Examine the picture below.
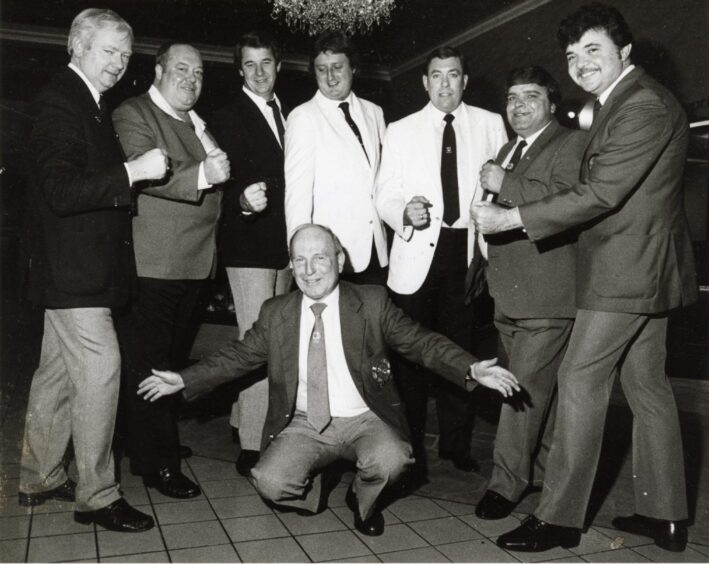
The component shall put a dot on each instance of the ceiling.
(416, 25)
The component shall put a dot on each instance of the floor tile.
(455, 508)
(271, 550)
(346, 516)
(187, 512)
(565, 560)
(8, 471)
(555, 553)
(144, 557)
(445, 530)
(14, 527)
(368, 558)
(475, 551)
(206, 469)
(114, 543)
(156, 497)
(56, 524)
(254, 528)
(13, 550)
(220, 553)
(242, 506)
(619, 555)
(137, 495)
(303, 525)
(491, 527)
(704, 549)
(416, 509)
(53, 506)
(595, 541)
(227, 488)
(624, 539)
(10, 508)
(426, 554)
(62, 547)
(395, 537)
(657, 554)
(332, 546)
(190, 535)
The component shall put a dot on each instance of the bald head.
(317, 259)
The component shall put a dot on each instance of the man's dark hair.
(335, 42)
(256, 40)
(444, 53)
(594, 16)
(534, 74)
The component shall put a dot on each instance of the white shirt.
(345, 399)
(530, 139)
(199, 128)
(462, 152)
(267, 111)
(607, 92)
(334, 107)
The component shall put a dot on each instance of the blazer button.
(287, 415)
(431, 245)
(270, 436)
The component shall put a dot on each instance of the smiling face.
(104, 58)
(180, 79)
(315, 262)
(334, 74)
(259, 69)
(594, 62)
(528, 108)
(445, 83)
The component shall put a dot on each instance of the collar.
(95, 93)
(607, 92)
(437, 115)
(334, 104)
(533, 137)
(332, 300)
(260, 102)
(159, 100)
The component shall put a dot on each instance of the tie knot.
(522, 144)
(345, 107)
(273, 105)
(448, 118)
(596, 107)
(318, 308)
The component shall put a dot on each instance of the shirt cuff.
(202, 183)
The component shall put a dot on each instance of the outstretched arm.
(487, 373)
(161, 383)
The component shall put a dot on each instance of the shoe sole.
(84, 518)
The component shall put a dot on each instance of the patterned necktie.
(345, 107)
(516, 156)
(449, 173)
(277, 117)
(318, 400)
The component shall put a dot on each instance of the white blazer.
(410, 167)
(328, 178)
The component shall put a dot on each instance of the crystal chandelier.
(349, 16)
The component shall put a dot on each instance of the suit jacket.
(176, 225)
(537, 279)
(255, 154)
(77, 249)
(371, 325)
(328, 177)
(635, 253)
(411, 167)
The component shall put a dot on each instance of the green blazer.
(371, 324)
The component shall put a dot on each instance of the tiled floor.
(230, 523)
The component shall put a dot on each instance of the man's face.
(445, 83)
(180, 80)
(594, 62)
(334, 74)
(315, 263)
(105, 59)
(259, 69)
(528, 108)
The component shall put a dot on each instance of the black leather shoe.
(534, 535)
(462, 462)
(494, 506)
(172, 484)
(373, 526)
(65, 492)
(246, 461)
(670, 535)
(119, 516)
(185, 451)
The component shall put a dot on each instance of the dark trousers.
(439, 305)
(157, 333)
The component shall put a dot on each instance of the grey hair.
(89, 21)
(339, 249)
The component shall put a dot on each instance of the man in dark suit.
(332, 395)
(532, 283)
(634, 265)
(252, 239)
(78, 264)
(175, 249)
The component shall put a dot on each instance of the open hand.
(487, 373)
(161, 383)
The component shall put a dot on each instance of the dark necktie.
(449, 173)
(516, 156)
(277, 117)
(345, 107)
(318, 401)
(596, 108)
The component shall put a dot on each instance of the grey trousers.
(535, 348)
(285, 474)
(74, 395)
(250, 287)
(600, 343)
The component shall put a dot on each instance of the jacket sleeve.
(390, 200)
(300, 155)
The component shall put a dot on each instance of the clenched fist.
(416, 212)
(151, 165)
(216, 167)
(253, 198)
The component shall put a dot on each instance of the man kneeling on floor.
(332, 395)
